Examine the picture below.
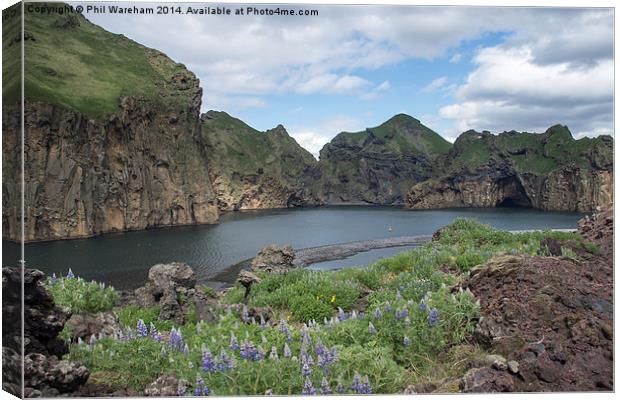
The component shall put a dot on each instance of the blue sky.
(352, 67)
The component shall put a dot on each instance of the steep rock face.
(89, 171)
(549, 171)
(379, 165)
(252, 170)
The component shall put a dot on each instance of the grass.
(85, 67)
(396, 322)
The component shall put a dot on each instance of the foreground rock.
(44, 373)
(552, 317)
(173, 287)
(275, 259)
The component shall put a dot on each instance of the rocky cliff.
(378, 165)
(549, 171)
(112, 137)
(251, 169)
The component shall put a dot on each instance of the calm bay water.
(123, 259)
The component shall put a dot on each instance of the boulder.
(168, 285)
(247, 279)
(87, 324)
(43, 320)
(275, 259)
(51, 376)
(166, 386)
(486, 380)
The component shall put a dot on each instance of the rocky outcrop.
(44, 373)
(173, 288)
(379, 165)
(549, 171)
(253, 170)
(275, 259)
(552, 317)
(88, 171)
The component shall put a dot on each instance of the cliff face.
(379, 165)
(251, 169)
(549, 171)
(89, 171)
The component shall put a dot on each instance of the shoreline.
(330, 252)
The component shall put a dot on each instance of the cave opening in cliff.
(514, 194)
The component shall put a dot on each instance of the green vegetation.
(73, 63)
(528, 152)
(401, 135)
(80, 296)
(398, 322)
(239, 154)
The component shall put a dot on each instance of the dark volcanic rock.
(44, 374)
(43, 319)
(276, 259)
(552, 315)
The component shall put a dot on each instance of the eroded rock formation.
(253, 170)
(549, 171)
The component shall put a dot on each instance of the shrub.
(81, 296)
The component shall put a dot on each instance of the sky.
(352, 67)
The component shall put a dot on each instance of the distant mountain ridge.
(115, 141)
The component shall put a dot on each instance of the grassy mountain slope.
(74, 63)
(253, 169)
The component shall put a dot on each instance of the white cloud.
(554, 65)
(436, 84)
(313, 138)
(376, 91)
(456, 58)
(508, 89)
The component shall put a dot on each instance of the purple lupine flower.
(366, 388)
(260, 354)
(141, 329)
(181, 390)
(387, 307)
(208, 362)
(371, 329)
(287, 351)
(333, 355)
(361, 386)
(377, 313)
(406, 341)
(309, 388)
(201, 389)
(325, 389)
(357, 382)
(176, 340)
(340, 388)
(433, 317)
(319, 348)
(186, 349)
(263, 324)
(234, 344)
(402, 313)
(153, 332)
(245, 315)
(273, 355)
(409, 303)
(70, 274)
(283, 327)
(306, 370)
(129, 334)
(341, 314)
(422, 305)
